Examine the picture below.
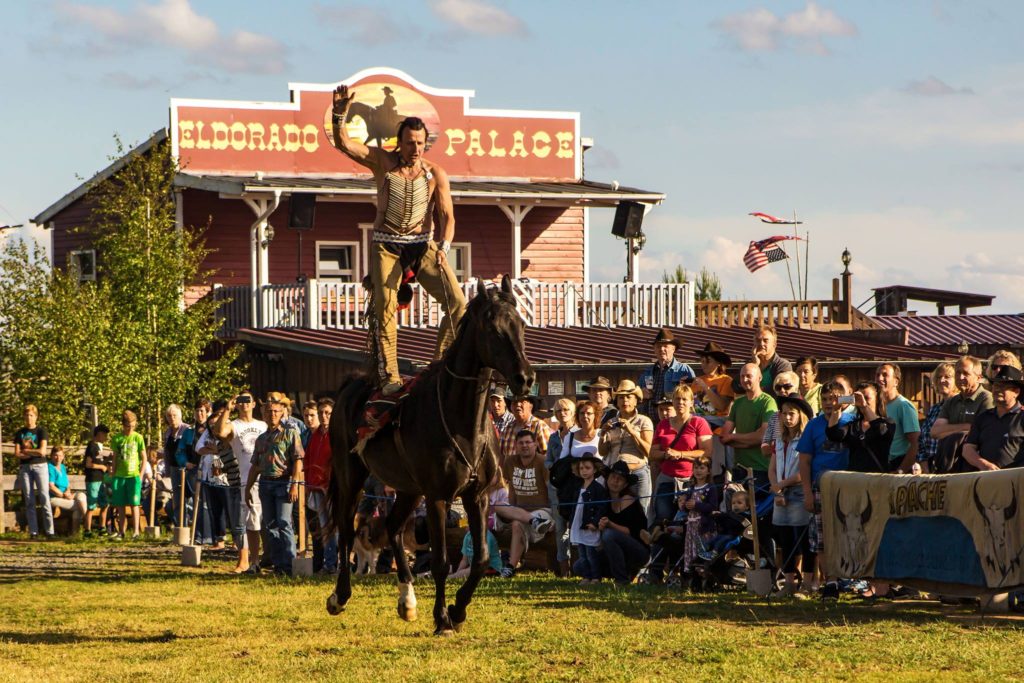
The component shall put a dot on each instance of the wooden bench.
(61, 522)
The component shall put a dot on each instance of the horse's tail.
(340, 440)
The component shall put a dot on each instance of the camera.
(846, 400)
(244, 399)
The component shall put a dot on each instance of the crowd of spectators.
(638, 479)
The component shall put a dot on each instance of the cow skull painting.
(853, 549)
(996, 553)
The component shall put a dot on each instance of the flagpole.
(796, 237)
(807, 257)
(789, 274)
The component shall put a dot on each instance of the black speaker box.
(629, 216)
(301, 211)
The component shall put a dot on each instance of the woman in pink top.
(678, 441)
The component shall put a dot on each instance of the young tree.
(707, 283)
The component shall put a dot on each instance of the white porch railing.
(342, 305)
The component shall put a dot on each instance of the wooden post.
(302, 520)
(152, 499)
(753, 517)
(181, 500)
(3, 513)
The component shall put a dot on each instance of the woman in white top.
(789, 518)
(629, 438)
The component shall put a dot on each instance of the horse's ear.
(481, 289)
(506, 284)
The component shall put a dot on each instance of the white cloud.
(761, 30)
(364, 24)
(478, 17)
(174, 24)
(933, 87)
(124, 80)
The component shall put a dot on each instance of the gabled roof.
(618, 346)
(945, 330)
(586, 191)
(83, 189)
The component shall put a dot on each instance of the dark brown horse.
(443, 447)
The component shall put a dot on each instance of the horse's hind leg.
(474, 505)
(347, 484)
(436, 514)
(396, 520)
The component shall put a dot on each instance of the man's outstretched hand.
(343, 97)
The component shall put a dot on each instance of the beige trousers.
(386, 276)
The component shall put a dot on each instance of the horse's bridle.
(444, 420)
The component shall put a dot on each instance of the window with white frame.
(461, 260)
(337, 261)
(83, 263)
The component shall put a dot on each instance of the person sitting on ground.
(729, 526)
(527, 478)
(869, 435)
(628, 437)
(748, 420)
(903, 413)
(61, 496)
(820, 454)
(129, 450)
(713, 391)
(678, 442)
(960, 410)
(790, 517)
(622, 548)
(806, 369)
(943, 382)
(662, 378)
(996, 440)
(770, 363)
(522, 410)
(97, 461)
(599, 391)
(590, 508)
(497, 495)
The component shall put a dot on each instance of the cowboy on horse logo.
(375, 118)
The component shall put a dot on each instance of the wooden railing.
(343, 305)
(750, 313)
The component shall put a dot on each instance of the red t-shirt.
(664, 436)
(318, 460)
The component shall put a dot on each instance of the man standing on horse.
(409, 190)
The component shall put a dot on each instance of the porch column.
(260, 235)
(516, 213)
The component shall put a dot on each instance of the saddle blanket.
(954, 531)
(379, 412)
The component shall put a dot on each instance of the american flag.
(760, 254)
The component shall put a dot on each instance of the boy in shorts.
(97, 462)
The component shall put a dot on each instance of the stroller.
(728, 569)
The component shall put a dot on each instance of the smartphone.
(244, 399)
(846, 400)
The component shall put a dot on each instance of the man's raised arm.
(371, 157)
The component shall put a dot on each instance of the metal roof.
(619, 346)
(941, 330)
(585, 191)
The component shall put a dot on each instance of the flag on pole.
(761, 253)
(768, 218)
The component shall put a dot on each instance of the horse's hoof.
(334, 607)
(407, 613)
(457, 617)
(444, 632)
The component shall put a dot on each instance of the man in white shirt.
(243, 431)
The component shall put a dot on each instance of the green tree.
(126, 340)
(707, 283)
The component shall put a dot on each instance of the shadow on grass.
(77, 638)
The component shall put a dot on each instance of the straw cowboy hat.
(665, 336)
(716, 352)
(627, 387)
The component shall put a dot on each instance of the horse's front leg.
(437, 512)
(396, 521)
(475, 505)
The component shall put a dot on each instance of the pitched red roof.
(602, 346)
(944, 330)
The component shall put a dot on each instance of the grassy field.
(95, 611)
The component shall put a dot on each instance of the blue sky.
(893, 128)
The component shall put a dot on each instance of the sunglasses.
(784, 387)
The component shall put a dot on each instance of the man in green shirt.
(958, 412)
(745, 427)
(129, 448)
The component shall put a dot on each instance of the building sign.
(294, 138)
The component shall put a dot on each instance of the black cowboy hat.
(594, 458)
(534, 400)
(622, 469)
(713, 350)
(664, 401)
(599, 382)
(1007, 374)
(665, 336)
(797, 400)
